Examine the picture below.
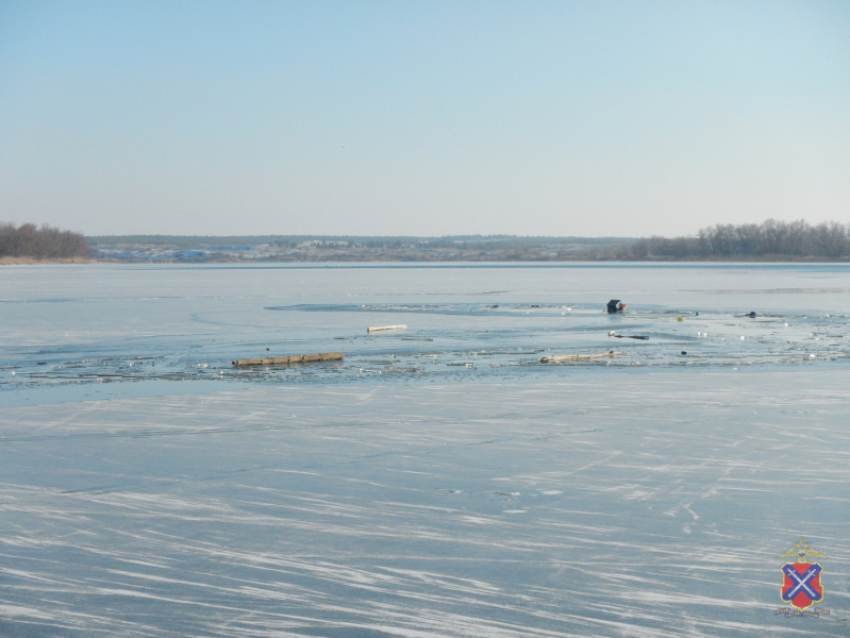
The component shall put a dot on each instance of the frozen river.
(440, 480)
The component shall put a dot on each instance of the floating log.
(582, 357)
(296, 358)
(400, 326)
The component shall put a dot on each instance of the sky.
(397, 117)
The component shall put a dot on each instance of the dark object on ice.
(684, 352)
(641, 337)
(752, 315)
(615, 306)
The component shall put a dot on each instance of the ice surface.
(646, 498)
(624, 505)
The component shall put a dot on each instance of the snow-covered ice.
(592, 500)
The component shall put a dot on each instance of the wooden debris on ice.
(582, 357)
(297, 358)
(400, 326)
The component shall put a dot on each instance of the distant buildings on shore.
(770, 241)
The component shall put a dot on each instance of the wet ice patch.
(510, 347)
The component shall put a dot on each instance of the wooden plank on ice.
(399, 326)
(296, 358)
(582, 357)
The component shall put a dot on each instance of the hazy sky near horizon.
(423, 118)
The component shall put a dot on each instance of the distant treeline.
(777, 240)
(28, 240)
(480, 242)
(829, 240)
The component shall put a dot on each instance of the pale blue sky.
(423, 118)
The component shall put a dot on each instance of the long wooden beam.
(296, 358)
(582, 357)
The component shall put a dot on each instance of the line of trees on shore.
(45, 242)
(772, 238)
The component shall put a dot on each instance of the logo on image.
(802, 586)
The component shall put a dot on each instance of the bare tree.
(27, 240)
(829, 240)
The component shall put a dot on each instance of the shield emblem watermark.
(801, 585)
(801, 580)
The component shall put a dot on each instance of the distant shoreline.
(777, 259)
(771, 241)
(32, 261)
